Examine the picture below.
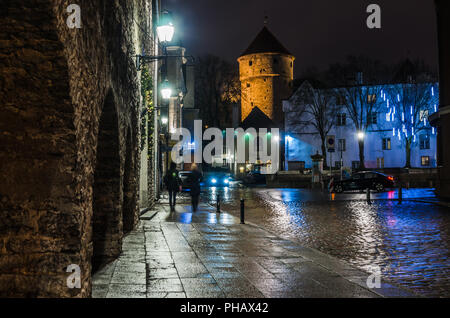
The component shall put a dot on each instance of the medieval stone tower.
(266, 73)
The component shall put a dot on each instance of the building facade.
(396, 118)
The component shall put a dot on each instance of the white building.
(395, 117)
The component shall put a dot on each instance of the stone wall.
(266, 79)
(69, 160)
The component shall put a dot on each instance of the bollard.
(242, 211)
(218, 203)
(400, 194)
(368, 196)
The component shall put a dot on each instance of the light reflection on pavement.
(409, 241)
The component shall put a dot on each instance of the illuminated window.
(372, 98)
(386, 143)
(425, 161)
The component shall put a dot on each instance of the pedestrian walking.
(173, 184)
(194, 180)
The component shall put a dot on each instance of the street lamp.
(165, 29)
(164, 121)
(166, 90)
(360, 135)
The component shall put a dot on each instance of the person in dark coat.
(194, 181)
(173, 184)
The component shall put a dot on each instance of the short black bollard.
(400, 194)
(242, 211)
(368, 196)
(218, 203)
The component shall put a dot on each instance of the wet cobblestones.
(410, 242)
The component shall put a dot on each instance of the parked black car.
(363, 180)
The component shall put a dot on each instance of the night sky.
(317, 32)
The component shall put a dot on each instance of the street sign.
(331, 143)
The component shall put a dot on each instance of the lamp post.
(164, 122)
(165, 31)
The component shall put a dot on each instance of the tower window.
(250, 63)
(292, 64)
(248, 84)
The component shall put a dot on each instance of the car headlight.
(214, 180)
(226, 181)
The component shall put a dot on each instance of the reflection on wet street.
(409, 241)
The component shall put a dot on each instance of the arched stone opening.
(107, 217)
(129, 189)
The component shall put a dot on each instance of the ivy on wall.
(147, 116)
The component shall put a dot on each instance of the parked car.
(363, 180)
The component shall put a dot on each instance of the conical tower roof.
(266, 42)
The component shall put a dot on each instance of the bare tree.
(217, 85)
(359, 82)
(314, 108)
(411, 100)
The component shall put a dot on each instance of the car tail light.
(391, 178)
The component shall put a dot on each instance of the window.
(370, 176)
(301, 165)
(380, 163)
(342, 119)
(250, 63)
(292, 64)
(224, 163)
(423, 115)
(425, 161)
(372, 98)
(342, 145)
(424, 141)
(248, 84)
(355, 164)
(373, 119)
(275, 61)
(386, 143)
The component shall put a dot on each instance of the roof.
(257, 119)
(266, 42)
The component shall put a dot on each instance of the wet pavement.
(205, 254)
(410, 242)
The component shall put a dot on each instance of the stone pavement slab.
(208, 255)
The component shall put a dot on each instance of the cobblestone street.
(408, 241)
(211, 255)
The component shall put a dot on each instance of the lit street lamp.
(165, 29)
(360, 135)
(166, 90)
